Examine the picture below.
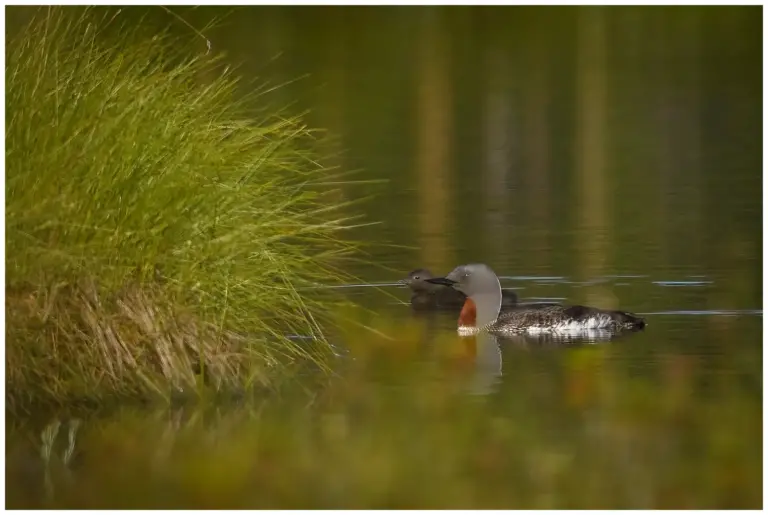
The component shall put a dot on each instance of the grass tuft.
(157, 223)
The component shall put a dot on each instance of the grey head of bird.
(478, 282)
(417, 280)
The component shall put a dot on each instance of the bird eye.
(416, 277)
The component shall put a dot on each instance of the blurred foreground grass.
(395, 428)
(158, 226)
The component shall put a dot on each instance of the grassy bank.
(158, 225)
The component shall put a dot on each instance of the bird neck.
(487, 306)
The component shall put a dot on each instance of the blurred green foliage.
(583, 427)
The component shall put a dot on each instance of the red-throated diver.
(481, 309)
(428, 295)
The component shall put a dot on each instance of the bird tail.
(628, 320)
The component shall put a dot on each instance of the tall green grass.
(158, 224)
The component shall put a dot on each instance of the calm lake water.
(610, 157)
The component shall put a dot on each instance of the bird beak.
(441, 280)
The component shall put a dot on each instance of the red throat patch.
(468, 316)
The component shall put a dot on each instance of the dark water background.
(606, 156)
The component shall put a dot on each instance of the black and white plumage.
(482, 310)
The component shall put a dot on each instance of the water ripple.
(717, 312)
(682, 283)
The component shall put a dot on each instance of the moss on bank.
(156, 223)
